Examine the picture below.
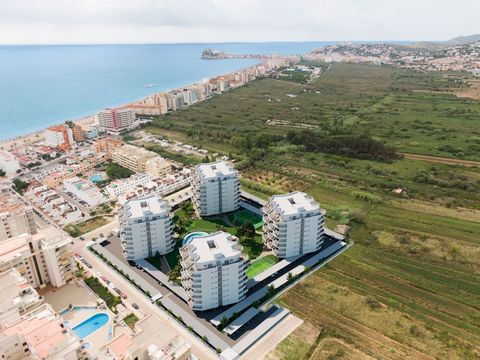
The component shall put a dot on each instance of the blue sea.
(45, 85)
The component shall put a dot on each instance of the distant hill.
(462, 40)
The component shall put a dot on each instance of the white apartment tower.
(293, 224)
(213, 271)
(146, 228)
(216, 188)
(116, 119)
(16, 218)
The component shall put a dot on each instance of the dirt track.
(441, 160)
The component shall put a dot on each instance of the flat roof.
(214, 169)
(217, 245)
(147, 205)
(293, 203)
(242, 320)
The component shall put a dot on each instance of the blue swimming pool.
(193, 235)
(92, 324)
(96, 178)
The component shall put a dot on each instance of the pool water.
(193, 235)
(96, 178)
(92, 324)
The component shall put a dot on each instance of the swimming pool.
(189, 237)
(96, 177)
(92, 324)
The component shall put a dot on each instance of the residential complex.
(213, 271)
(43, 258)
(158, 166)
(116, 119)
(216, 188)
(84, 191)
(133, 157)
(18, 297)
(16, 218)
(146, 228)
(293, 224)
(40, 334)
(60, 137)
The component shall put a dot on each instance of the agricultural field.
(410, 286)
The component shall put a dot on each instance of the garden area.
(103, 293)
(130, 320)
(86, 226)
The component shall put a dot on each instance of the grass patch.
(130, 320)
(239, 217)
(103, 293)
(86, 226)
(258, 266)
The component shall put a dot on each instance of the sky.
(174, 21)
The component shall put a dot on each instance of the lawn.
(258, 266)
(86, 226)
(130, 320)
(103, 293)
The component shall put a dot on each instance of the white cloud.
(164, 21)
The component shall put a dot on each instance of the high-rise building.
(60, 137)
(293, 224)
(43, 258)
(216, 188)
(16, 218)
(213, 271)
(116, 119)
(146, 228)
(78, 134)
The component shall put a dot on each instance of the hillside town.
(462, 57)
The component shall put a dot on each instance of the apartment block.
(146, 228)
(213, 271)
(16, 218)
(158, 166)
(60, 137)
(116, 119)
(43, 258)
(18, 297)
(133, 157)
(216, 188)
(86, 192)
(293, 224)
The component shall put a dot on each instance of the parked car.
(82, 238)
(117, 290)
(135, 306)
(123, 295)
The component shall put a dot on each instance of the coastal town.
(103, 239)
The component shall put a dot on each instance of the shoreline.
(37, 136)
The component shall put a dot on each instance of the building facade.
(216, 188)
(158, 167)
(293, 224)
(83, 190)
(16, 218)
(213, 271)
(146, 228)
(133, 157)
(60, 137)
(43, 258)
(116, 119)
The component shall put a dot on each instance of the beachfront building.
(158, 166)
(9, 163)
(216, 188)
(43, 258)
(146, 228)
(116, 119)
(16, 218)
(40, 334)
(293, 224)
(213, 271)
(18, 297)
(84, 191)
(133, 157)
(60, 137)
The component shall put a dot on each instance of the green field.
(260, 265)
(409, 286)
